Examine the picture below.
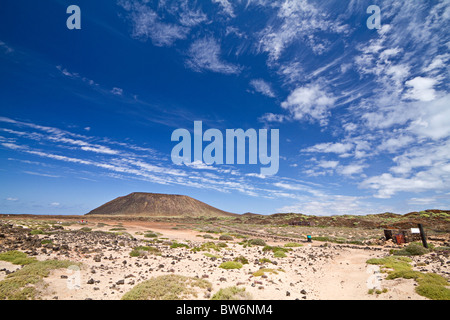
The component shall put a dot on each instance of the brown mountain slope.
(157, 204)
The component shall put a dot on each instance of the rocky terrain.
(107, 259)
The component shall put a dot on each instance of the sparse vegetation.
(413, 249)
(209, 246)
(263, 271)
(292, 245)
(20, 285)
(278, 252)
(265, 260)
(253, 242)
(241, 259)
(179, 245)
(231, 265)
(16, 257)
(150, 234)
(210, 255)
(225, 237)
(167, 287)
(430, 285)
(141, 251)
(232, 293)
(118, 229)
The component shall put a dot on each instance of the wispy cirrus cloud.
(146, 24)
(263, 87)
(298, 21)
(205, 55)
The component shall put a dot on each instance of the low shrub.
(20, 285)
(430, 285)
(179, 245)
(293, 245)
(209, 246)
(167, 287)
(256, 242)
(150, 235)
(16, 257)
(241, 259)
(265, 260)
(231, 265)
(141, 251)
(413, 249)
(262, 271)
(232, 293)
(225, 237)
(210, 255)
(279, 254)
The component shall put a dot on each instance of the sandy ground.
(311, 272)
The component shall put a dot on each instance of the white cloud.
(394, 144)
(205, 54)
(310, 102)
(328, 164)
(438, 62)
(297, 20)
(387, 185)
(263, 87)
(99, 149)
(351, 169)
(7, 49)
(328, 205)
(12, 199)
(431, 119)
(117, 91)
(226, 7)
(42, 174)
(330, 147)
(271, 117)
(148, 25)
(421, 89)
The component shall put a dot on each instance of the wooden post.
(423, 236)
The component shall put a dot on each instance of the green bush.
(225, 237)
(241, 259)
(150, 235)
(257, 242)
(433, 291)
(262, 271)
(16, 257)
(167, 287)
(209, 246)
(279, 254)
(20, 285)
(179, 245)
(232, 293)
(430, 285)
(413, 249)
(293, 245)
(210, 255)
(143, 250)
(321, 238)
(231, 265)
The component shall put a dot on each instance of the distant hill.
(158, 204)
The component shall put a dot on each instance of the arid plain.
(238, 257)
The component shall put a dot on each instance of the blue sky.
(363, 114)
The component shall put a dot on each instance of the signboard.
(415, 230)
